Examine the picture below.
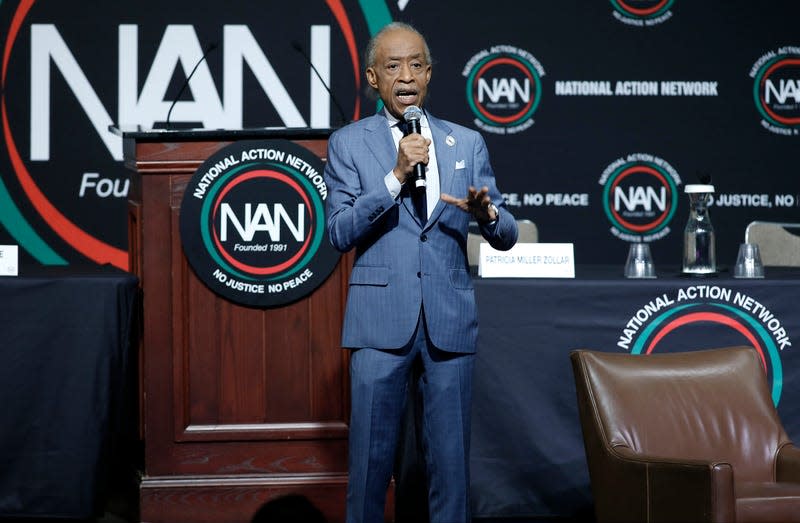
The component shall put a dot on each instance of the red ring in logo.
(525, 71)
(249, 268)
(773, 67)
(642, 11)
(627, 172)
(711, 317)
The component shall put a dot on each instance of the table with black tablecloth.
(527, 454)
(64, 356)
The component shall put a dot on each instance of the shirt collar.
(392, 121)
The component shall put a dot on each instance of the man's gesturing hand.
(477, 203)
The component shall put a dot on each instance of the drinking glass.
(748, 262)
(640, 262)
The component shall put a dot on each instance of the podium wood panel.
(238, 404)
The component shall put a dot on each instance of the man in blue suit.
(411, 300)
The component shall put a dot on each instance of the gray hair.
(372, 46)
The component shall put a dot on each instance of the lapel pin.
(450, 140)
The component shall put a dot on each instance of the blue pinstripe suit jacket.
(401, 263)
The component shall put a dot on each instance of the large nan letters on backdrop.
(179, 47)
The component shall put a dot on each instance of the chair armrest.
(681, 491)
(787, 464)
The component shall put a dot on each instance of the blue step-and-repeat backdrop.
(597, 113)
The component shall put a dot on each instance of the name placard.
(9, 260)
(527, 260)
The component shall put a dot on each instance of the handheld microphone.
(210, 48)
(413, 115)
(299, 48)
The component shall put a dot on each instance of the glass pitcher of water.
(699, 249)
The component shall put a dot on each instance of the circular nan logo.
(642, 12)
(504, 88)
(640, 195)
(66, 204)
(253, 223)
(776, 90)
(722, 317)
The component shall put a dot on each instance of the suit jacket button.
(423, 238)
(419, 275)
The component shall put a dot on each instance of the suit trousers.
(379, 391)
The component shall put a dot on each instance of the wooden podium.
(238, 405)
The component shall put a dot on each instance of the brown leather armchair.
(685, 437)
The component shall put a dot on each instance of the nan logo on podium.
(252, 223)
